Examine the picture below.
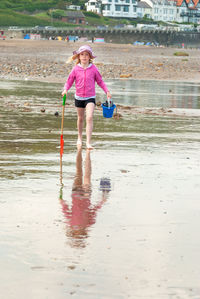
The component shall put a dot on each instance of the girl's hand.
(64, 92)
(108, 95)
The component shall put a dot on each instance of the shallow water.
(150, 93)
(141, 93)
(120, 221)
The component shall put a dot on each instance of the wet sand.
(45, 60)
(118, 222)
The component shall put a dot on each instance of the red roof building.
(189, 10)
(190, 3)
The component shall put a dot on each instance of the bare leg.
(80, 122)
(88, 169)
(89, 123)
(79, 173)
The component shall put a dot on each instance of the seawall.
(163, 37)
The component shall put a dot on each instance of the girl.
(85, 74)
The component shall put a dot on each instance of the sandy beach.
(119, 221)
(45, 60)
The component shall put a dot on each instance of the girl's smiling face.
(84, 58)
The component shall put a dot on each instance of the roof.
(143, 4)
(74, 14)
(195, 2)
(165, 2)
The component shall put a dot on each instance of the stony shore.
(46, 61)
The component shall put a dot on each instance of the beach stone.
(31, 61)
(98, 103)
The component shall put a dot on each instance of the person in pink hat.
(85, 74)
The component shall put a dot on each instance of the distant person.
(85, 74)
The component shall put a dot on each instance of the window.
(106, 7)
(126, 8)
(117, 7)
(116, 1)
(127, 1)
(134, 1)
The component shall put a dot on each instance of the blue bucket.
(108, 111)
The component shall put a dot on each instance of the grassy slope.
(28, 13)
(21, 12)
(11, 18)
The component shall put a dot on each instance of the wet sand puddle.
(118, 222)
(151, 93)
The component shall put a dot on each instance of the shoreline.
(37, 60)
(60, 81)
(123, 111)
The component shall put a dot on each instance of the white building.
(119, 8)
(144, 9)
(73, 7)
(175, 10)
(182, 12)
(163, 10)
(94, 6)
(188, 11)
(158, 10)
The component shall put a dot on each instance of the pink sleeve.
(70, 80)
(100, 81)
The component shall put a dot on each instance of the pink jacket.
(85, 81)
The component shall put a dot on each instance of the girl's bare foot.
(89, 146)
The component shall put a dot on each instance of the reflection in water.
(81, 214)
(141, 93)
(105, 187)
(154, 93)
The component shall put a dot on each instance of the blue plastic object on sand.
(108, 111)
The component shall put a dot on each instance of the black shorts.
(83, 103)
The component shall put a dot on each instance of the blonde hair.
(77, 57)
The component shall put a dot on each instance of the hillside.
(35, 5)
(29, 13)
(32, 12)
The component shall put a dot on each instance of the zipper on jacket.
(84, 81)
